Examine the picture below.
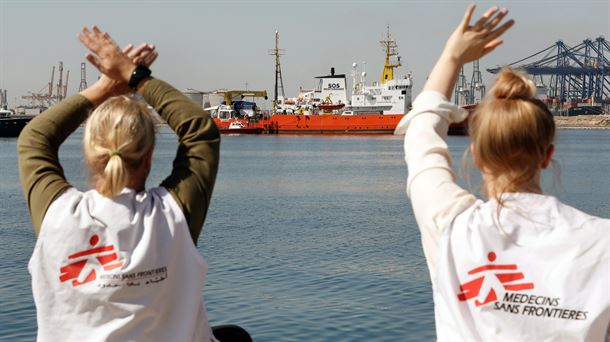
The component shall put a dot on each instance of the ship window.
(387, 98)
(401, 97)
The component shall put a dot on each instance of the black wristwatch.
(139, 73)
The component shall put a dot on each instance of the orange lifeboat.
(331, 106)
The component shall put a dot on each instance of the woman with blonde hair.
(523, 265)
(119, 262)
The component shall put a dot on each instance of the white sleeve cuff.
(432, 102)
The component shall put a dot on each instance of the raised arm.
(194, 170)
(196, 163)
(42, 177)
(435, 196)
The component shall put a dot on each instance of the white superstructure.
(393, 97)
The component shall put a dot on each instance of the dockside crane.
(462, 91)
(3, 99)
(477, 87)
(59, 89)
(54, 93)
(574, 74)
(83, 77)
(65, 87)
(50, 92)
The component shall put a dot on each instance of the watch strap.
(139, 73)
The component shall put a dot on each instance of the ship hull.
(325, 124)
(249, 130)
(343, 124)
(10, 127)
(333, 124)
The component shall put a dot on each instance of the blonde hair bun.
(511, 133)
(512, 84)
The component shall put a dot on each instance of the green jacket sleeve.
(42, 177)
(194, 169)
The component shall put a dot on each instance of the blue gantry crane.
(579, 74)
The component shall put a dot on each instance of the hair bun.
(511, 84)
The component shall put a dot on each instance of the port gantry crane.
(83, 77)
(48, 99)
(466, 94)
(579, 73)
(462, 90)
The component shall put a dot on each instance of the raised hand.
(145, 54)
(106, 55)
(466, 44)
(116, 65)
(470, 42)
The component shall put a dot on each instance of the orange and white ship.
(326, 108)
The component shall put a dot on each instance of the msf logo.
(491, 278)
(82, 270)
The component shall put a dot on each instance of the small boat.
(241, 127)
(331, 106)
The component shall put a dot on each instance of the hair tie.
(114, 153)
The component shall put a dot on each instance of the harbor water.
(308, 238)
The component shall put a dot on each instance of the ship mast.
(279, 83)
(389, 45)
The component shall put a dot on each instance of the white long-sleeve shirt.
(537, 269)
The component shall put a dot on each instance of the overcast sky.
(225, 44)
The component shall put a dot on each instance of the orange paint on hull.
(326, 124)
(318, 124)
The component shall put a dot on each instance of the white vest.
(541, 274)
(122, 269)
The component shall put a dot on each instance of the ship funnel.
(332, 71)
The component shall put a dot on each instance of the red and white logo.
(83, 269)
(491, 278)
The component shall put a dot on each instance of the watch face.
(139, 73)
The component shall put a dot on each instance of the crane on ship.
(231, 95)
(573, 74)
